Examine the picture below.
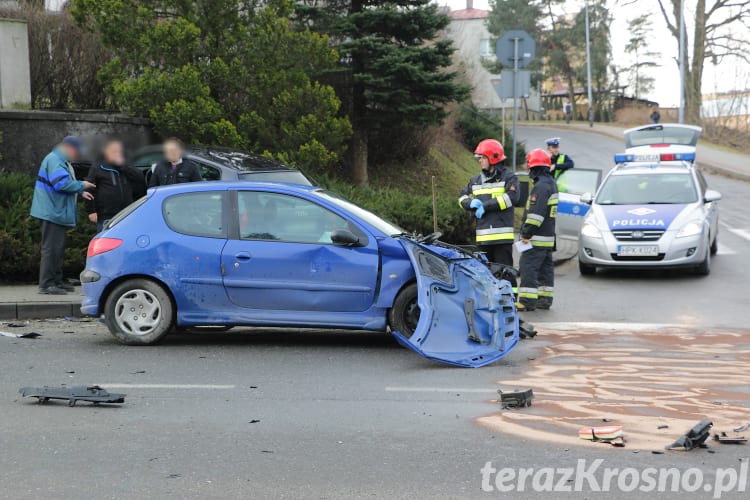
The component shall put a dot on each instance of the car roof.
(235, 159)
(640, 168)
(203, 186)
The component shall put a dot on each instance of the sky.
(666, 89)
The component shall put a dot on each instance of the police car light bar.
(627, 158)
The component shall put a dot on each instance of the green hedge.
(411, 212)
(19, 233)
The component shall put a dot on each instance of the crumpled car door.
(467, 317)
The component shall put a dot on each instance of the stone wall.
(27, 136)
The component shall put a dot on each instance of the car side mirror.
(587, 198)
(711, 196)
(344, 237)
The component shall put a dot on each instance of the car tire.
(715, 245)
(585, 269)
(139, 312)
(704, 268)
(404, 315)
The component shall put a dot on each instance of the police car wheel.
(404, 315)
(704, 269)
(139, 312)
(715, 245)
(586, 269)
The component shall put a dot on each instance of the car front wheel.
(139, 312)
(404, 315)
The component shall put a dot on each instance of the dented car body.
(226, 254)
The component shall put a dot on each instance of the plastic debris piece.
(694, 438)
(663, 426)
(724, 439)
(27, 335)
(92, 393)
(526, 330)
(742, 428)
(603, 433)
(516, 398)
(17, 324)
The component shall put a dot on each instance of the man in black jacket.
(537, 267)
(117, 184)
(174, 169)
(491, 195)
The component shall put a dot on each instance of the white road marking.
(439, 389)
(724, 250)
(742, 233)
(164, 386)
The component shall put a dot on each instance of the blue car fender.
(467, 317)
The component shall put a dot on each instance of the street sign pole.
(515, 98)
(681, 114)
(588, 68)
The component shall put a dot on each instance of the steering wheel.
(430, 238)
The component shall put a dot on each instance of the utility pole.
(515, 97)
(681, 114)
(588, 67)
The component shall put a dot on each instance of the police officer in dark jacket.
(492, 195)
(537, 267)
(560, 162)
(117, 184)
(174, 169)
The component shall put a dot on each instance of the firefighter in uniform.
(560, 162)
(537, 267)
(491, 195)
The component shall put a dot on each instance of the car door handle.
(242, 256)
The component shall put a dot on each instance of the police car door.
(571, 184)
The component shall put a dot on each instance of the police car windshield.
(652, 188)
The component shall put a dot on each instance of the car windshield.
(662, 134)
(286, 176)
(370, 218)
(643, 189)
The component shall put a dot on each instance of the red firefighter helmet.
(492, 149)
(538, 158)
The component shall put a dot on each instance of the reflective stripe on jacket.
(498, 194)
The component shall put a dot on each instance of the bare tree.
(715, 37)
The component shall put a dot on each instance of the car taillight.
(102, 245)
(667, 157)
(660, 145)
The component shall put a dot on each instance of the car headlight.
(590, 230)
(690, 229)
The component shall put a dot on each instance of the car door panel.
(264, 268)
(571, 184)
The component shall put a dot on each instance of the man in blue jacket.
(54, 204)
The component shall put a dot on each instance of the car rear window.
(662, 134)
(285, 176)
(125, 212)
(196, 214)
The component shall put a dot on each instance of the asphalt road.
(284, 414)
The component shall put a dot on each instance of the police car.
(653, 210)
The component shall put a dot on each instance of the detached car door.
(571, 184)
(283, 258)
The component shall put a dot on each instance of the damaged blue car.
(263, 254)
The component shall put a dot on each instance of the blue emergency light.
(627, 158)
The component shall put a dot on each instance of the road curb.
(38, 310)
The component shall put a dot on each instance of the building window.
(485, 48)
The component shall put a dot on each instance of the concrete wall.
(15, 79)
(27, 136)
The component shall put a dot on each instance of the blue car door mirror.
(344, 237)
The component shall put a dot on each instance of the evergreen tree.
(226, 72)
(393, 64)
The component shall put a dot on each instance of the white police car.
(651, 211)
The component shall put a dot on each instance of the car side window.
(148, 160)
(280, 217)
(209, 173)
(196, 214)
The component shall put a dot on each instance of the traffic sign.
(504, 84)
(505, 49)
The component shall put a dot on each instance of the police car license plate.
(638, 251)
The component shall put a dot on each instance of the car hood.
(624, 217)
(467, 317)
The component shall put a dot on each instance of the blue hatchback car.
(265, 254)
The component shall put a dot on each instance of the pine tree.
(392, 65)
